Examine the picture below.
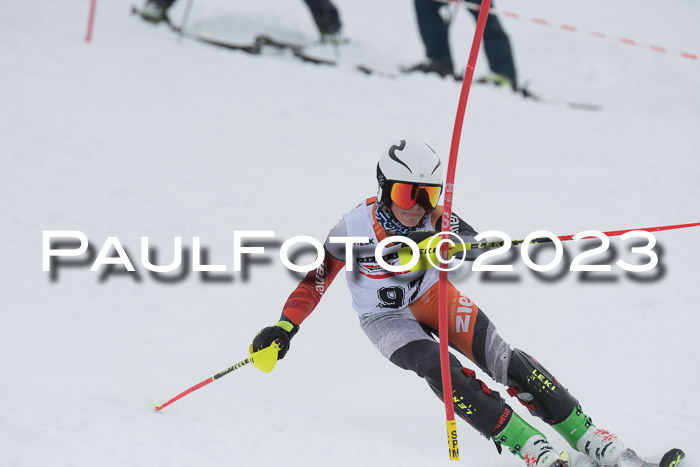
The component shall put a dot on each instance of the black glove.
(283, 332)
(420, 235)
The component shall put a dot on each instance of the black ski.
(256, 47)
(297, 50)
(525, 93)
(672, 458)
(262, 41)
(252, 48)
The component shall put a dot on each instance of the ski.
(296, 49)
(262, 41)
(254, 48)
(525, 93)
(672, 458)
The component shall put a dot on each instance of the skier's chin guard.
(538, 390)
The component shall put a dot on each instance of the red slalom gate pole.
(443, 329)
(615, 233)
(91, 20)
(564, 238)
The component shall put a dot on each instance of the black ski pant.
(474, 401)
(325, 15)
(433, 31)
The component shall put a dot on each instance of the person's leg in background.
(325, 16)
(498, 50)
(433, 31)
(156, 11)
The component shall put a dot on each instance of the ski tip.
(672, 458)
(156, 408)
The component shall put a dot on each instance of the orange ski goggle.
(405, 195)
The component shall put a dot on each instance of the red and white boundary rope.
(569, 28)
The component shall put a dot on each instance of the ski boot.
(603, 447)
(334, 38)
(529, 444)
(441, 68)
(539, 453)
(154, 12)
(498, 80)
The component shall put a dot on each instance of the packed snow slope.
(137, 134)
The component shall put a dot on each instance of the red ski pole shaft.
(443, 327)
(204, 383)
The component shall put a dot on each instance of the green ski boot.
(529, 444)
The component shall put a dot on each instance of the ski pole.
(185, 18)
(264, 360)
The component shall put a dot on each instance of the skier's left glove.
(420, 235)
(283, 332)
(425, 237)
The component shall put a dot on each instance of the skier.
(398, 311)
(433, 31)
(325, 16)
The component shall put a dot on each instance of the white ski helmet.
(408, 162)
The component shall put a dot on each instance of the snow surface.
(137, 134)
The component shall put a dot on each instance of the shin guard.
(474, 402)
(538, 390)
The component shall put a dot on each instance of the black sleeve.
(457, 225)
(466, 232)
